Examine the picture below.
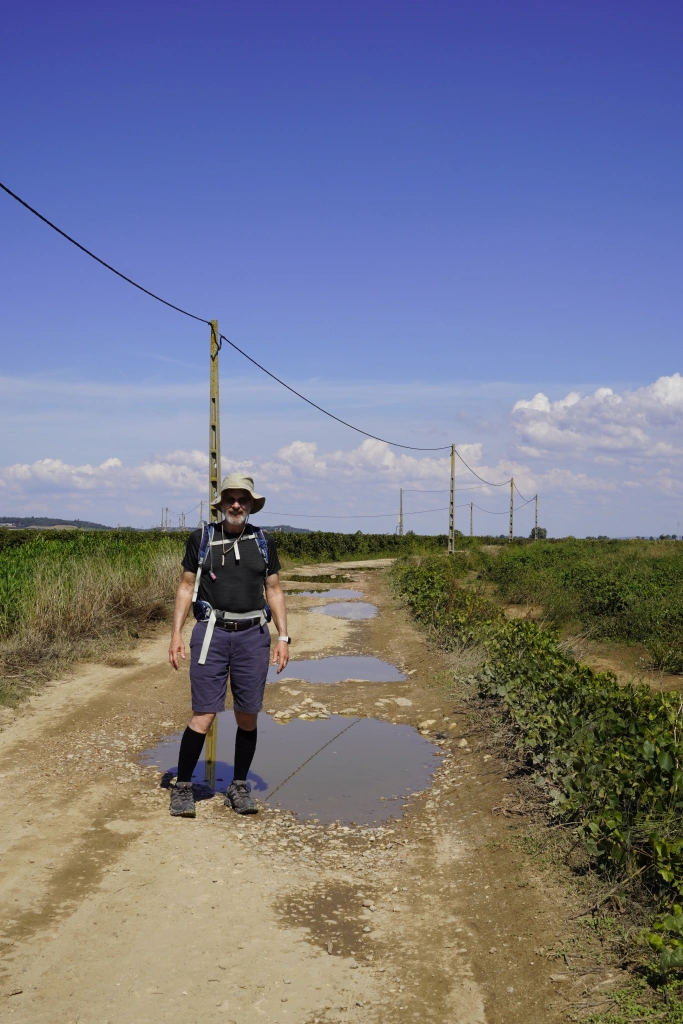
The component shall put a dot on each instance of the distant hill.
(286, 529)
(46, 523)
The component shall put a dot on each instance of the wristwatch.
(285, 639)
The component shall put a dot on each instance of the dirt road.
(113, 912)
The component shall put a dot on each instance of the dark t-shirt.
(238, 586)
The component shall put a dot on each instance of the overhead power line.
(104, 264)
(382, 515)
(203, 320)
(525, 500)
(394, 444)
(490, 513)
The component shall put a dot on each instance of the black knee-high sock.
(245, 746)
(190, 750)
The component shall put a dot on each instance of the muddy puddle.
(358, 770)
(352, 610)
(337, 593)
(342, 669)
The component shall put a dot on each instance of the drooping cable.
(522, 496)
(93, 256)
(506, 512)
(394, 444)
(381, 515)
(222, 337)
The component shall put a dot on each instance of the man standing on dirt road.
(227, 567)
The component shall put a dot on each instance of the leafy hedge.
(331, 547)
(609, 757)
(628, 591)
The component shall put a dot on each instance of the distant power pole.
(162, 519)
(471, 519)
(214, 427)
(536, 521)
(201, 513)
(451, 512)
(512, 506)
(400, 513)
(182, 520)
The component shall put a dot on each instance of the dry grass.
(80, 609)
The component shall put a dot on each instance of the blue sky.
(419, 214)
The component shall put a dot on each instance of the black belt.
(233, 626)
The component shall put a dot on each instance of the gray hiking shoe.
(239, 798)
(182, 800)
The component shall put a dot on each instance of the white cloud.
(605, 422)
(608, 449)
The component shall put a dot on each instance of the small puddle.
(345, 668)
(340, 595)
(353, 610)
(336, 769)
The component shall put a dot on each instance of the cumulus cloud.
(606, 423)
(611, 448)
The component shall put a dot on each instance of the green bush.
(610, 758)
(627, 591)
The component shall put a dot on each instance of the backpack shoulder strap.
(262, 544)
(205, 542)
(204, 546)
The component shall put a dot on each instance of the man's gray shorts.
(244, 653)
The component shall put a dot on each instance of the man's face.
(236, 506)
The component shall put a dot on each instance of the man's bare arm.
(275, 596)
(183, 603)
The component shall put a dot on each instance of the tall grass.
(65, 596)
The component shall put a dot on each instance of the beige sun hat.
(238, 482)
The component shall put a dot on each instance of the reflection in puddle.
(353, 610)
(338, 594)
(335, 769)
(353, 668)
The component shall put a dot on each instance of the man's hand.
(281, 655)
(176, 649)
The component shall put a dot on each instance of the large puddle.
(339, 594)
(342, 669)
(352, 610)
(336, 769)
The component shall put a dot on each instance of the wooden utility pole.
(215, 515)
(512, 506)
(214, 428)
(400, 514)
(536, 521)
(471, 519)
(211, 753)
(451, 512)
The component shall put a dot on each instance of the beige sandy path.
(113, 912)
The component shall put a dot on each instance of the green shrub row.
(609, 757)
(627, 591)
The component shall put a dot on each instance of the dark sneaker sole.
(237, 810)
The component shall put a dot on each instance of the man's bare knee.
(246, 721)
(201, 723)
